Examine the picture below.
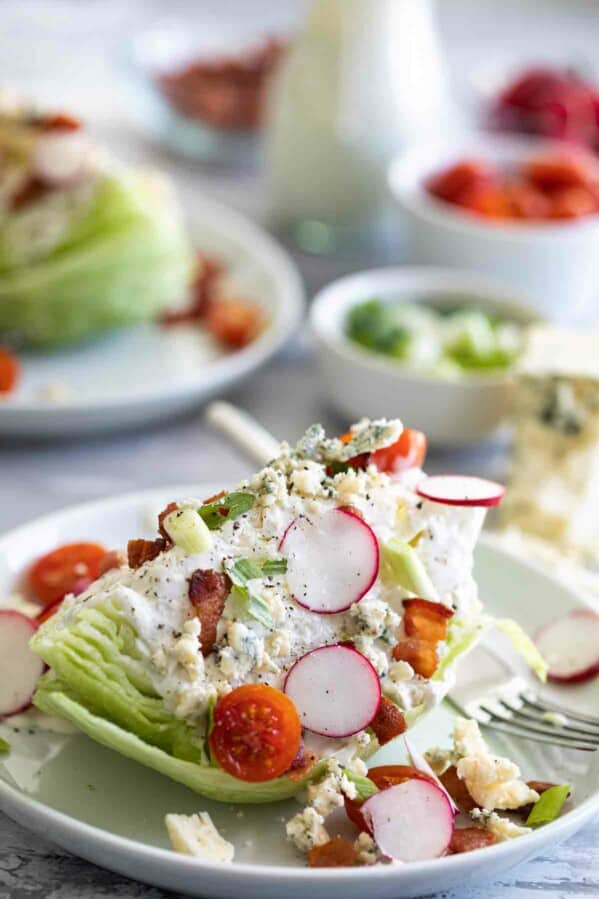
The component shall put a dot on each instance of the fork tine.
(502, 727)
(539, 719)
(549, 730)
(543, 706)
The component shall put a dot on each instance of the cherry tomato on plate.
(10, 371)
(256, 734)
(69, 569)
(382, 776)
(407, 452)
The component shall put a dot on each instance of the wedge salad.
(270, 639)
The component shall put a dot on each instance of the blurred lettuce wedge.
(101, 256)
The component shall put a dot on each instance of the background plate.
(146, 373)
(110, 810)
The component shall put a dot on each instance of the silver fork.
(488, 690)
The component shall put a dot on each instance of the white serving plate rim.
(65, 830)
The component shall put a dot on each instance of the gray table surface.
(35, 479)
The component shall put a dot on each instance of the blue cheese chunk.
(196, 835)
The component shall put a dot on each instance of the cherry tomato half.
(69, 569)
(383, 776)
(407, 452)
(9, 371)
(256, 734)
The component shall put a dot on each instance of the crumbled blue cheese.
(367, 852)
(306, 830)
(493, 782)
(502, 828)
(196, 835)
(377, 656)
(376, 618)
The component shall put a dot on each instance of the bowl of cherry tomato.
(522, 211)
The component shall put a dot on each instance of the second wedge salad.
(313, 613)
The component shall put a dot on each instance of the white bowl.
(554, 264)
(359, 382)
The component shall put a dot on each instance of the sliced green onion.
(226, 509)
(274, 566)
(548, 806)
(364, 786)
(245, 570)
(4, 746)
(187, 530)
(251, 604)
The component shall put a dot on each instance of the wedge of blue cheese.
(554, 484)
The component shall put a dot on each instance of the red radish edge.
(419, 762)
(411, 821)
(324, 694)
(14, 652)
(572, 657)
(320, 576)
(496, 491)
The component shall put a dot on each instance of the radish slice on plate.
(411, 821)
(332, 560)
(20, 668)
(335, 690)
(419, 762)
(570, 646)
(461, 490)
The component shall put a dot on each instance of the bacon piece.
(337, 853)
(388, 722)
(60, 121)
(426, 620)
(420, 654)
(31, 190)
(465, 839)
(114, 558)
(208, 591)
(140, 551)
(172, 507)
(203, 293)
(458, 790)
(302, 764)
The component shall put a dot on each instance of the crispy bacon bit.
(420, 654)
(172, 507)
(203, 293)
(465, 839)
(235, 323)
(215, 498)
(60, 121)
(426, 620)
(140, 551)
(302, 764)
(458, 790)
(113, 559)
(388, 722)
(337, 853)
(208, 591)
(31, 190)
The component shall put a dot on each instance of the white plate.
(110, 810)
(149, 372)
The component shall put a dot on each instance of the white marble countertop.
(35, 479)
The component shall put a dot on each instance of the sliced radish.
(461, 490)
(20, 668)
(570, 646)
(411, 821)
(60, 157)
(419, 762)
(335, 690)
(332, 560)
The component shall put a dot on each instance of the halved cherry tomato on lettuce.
(256, 734)
(69, 569)
(464, 175)
(382, 776)
(48, 612)
(10, 371)
(407, 452)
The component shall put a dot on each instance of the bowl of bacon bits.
(202, 88)
(521, 210)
